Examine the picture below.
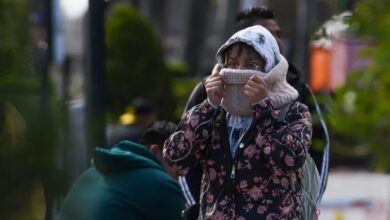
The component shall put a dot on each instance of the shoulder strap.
(325, 159)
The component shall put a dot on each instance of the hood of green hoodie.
(126, 155)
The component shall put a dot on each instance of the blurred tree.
(28, 129)
(182, 85)
(135, 65)
(361, 118)
(14, 36)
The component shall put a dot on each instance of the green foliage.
(19, 84)
(177, 69)
(181, 85)
(14, 36)
(361, 117)
(29, 127)
(182, 88)
(135, 62)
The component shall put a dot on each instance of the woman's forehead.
(240, 49)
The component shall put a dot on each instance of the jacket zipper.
(226, 146)
(233, 173)
(233, 158)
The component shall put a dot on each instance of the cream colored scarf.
(279, 91)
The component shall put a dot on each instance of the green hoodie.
(125, 182)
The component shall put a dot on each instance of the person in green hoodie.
(128, 181)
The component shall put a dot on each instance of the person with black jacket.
(262, 16)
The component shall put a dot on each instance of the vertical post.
(302, 36)
(96, 76)
(196, 33)
(232, 10)
(42, 50)
(43, 56)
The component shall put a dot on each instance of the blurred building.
(192, 30)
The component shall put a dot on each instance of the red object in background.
(320, 69)
(329, 67)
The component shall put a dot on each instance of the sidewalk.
(356, 196)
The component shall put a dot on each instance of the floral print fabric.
(262, 180)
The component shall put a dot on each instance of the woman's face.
(242, 56)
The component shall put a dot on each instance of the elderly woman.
(250, 134)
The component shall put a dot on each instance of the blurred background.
(73, 72)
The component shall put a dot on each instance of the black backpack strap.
(283, 112)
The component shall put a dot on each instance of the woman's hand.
(214, 88)
(255, 89)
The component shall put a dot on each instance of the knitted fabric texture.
(279, 91)
(260, 39)
(235, 101)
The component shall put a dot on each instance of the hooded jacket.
(261, 179)
(191, 182)
(125, 182)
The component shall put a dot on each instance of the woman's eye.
(252, 66)
(232, 65)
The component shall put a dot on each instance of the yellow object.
(339, 215)
(129, 117)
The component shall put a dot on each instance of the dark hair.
(247, 17)
(157, 133)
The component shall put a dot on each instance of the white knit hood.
(260, 39)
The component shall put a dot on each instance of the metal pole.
(232, 9)
(196, 33)
(304, 8)
(96, 76)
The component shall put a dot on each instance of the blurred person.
(265, 17)
(132, 123)
(251, 159)
(128, 181)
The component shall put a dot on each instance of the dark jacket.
(262, 180)
(306, 96)
(125, 182)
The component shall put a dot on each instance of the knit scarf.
(279, 91)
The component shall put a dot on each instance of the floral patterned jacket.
(262, 181)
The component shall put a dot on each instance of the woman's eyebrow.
(232, 58)
(253, 59)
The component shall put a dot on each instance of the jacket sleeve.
(185, 146)
(284, 143)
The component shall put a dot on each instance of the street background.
(71, 68)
